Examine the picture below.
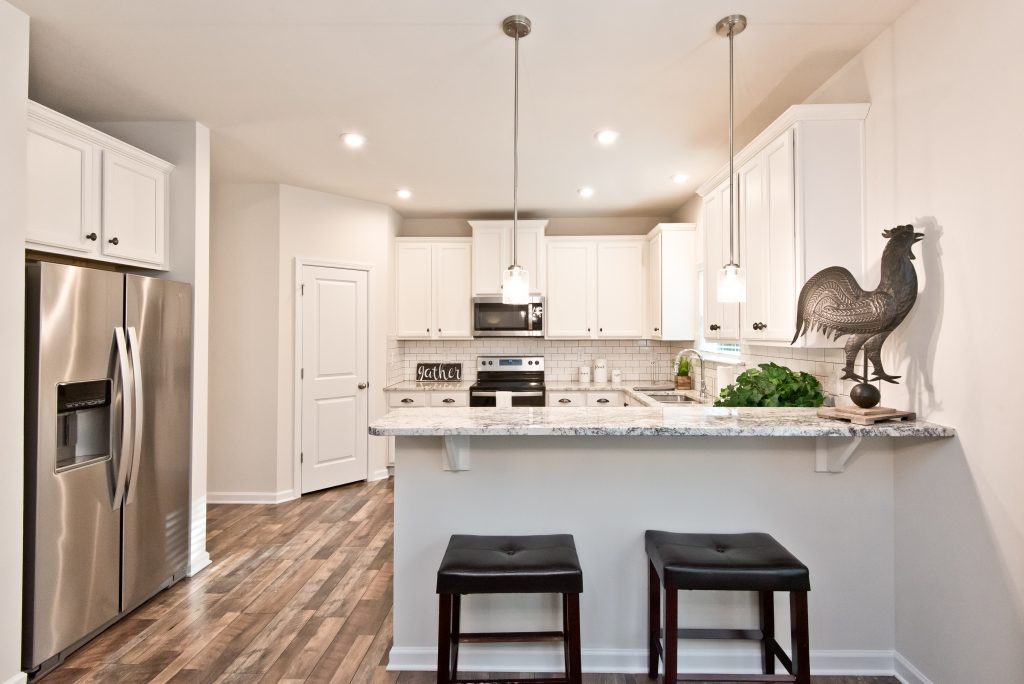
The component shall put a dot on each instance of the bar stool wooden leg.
(671, 642)
(574, 670)
(456, 614)
(653, 619)
(801, 640)
(444, 631)
(566, 651)
(767, 631)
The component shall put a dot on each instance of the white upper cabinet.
(620, 288)
(672, 282)
(61, 213)
(493, 253)
(93, 196)
(596, 287)
(432, 288)
(571, 306)
(801, 209)
(721, 321)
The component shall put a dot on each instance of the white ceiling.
(430, 85)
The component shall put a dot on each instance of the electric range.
(521, 376)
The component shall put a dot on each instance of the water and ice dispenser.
(83, 422)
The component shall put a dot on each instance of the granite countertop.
(640, 422)
(413, 386)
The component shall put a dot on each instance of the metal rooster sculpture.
(833, 303)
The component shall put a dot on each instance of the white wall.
(331, 228)
(13, 121)
(243, 339)
(258, 233)
(186, 144)
(944, 150)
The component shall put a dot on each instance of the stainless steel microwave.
(492, 318)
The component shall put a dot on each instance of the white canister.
(600, 370)
(616, 376)
(584, 373)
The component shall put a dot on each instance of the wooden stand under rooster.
(833, 303)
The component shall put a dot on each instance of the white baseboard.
(907, 673)
(381, 474)
(631, 661)
(19, 678)
(251, 497)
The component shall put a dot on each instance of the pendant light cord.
(515, 163)
(732, 155)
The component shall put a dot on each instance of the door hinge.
(302, 374)
(302, 289)
(302, 457)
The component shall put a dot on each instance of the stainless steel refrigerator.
(107, 447)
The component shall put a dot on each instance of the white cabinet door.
(413, 288)
(451, 266)
(571, 282)
(492, 245)
(780, 250)
(654, 287)
(676, 267)
(134, 215)
(620, 288)
(754, 244)
(721, 321)
(62, 204)
(567, 399)
(532, 255)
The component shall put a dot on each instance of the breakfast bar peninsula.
(822, 488)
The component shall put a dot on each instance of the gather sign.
(438, 372)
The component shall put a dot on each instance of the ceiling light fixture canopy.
(732, 279)
(515, 281)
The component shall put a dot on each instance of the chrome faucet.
(703, 382)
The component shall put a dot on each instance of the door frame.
(298, 264)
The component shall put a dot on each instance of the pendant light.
(515, 282)
(732, 280)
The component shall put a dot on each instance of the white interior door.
(334, 376)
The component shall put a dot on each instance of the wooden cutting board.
(870, 416)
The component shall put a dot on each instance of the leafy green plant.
(684, 366)
(772, 385)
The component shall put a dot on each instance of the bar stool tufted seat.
(679, 561)
(536, 564)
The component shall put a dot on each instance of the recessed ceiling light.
(353, 140)
(403, 193)
(606, 137)
(680, 178)
(585, 192)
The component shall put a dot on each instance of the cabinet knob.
(588, 329)
(602, 401)
(91, 236)
(565, 401)
(363, 385)
(657, 329)
(449, 400)
(113, 241)
(600, 330)
(714, 326)
(407, 400)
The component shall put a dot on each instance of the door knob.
(363, 385)
(91, 236)
(113, 240)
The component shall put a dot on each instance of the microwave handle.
(529, 317)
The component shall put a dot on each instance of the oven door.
(489, 398)
(492, 318)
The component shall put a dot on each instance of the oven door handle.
(514, 394)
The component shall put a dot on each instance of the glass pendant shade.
(515, 286)
(732, 284)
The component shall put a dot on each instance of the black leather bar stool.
(539, 564)
(726, 562)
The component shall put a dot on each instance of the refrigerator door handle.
(127, 418)
(137, 426)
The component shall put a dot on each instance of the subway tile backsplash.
(641, 361)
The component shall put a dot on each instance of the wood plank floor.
(298, 592)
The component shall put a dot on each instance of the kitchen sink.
(663, 396)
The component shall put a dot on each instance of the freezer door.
(158, 321)
(72, 437)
